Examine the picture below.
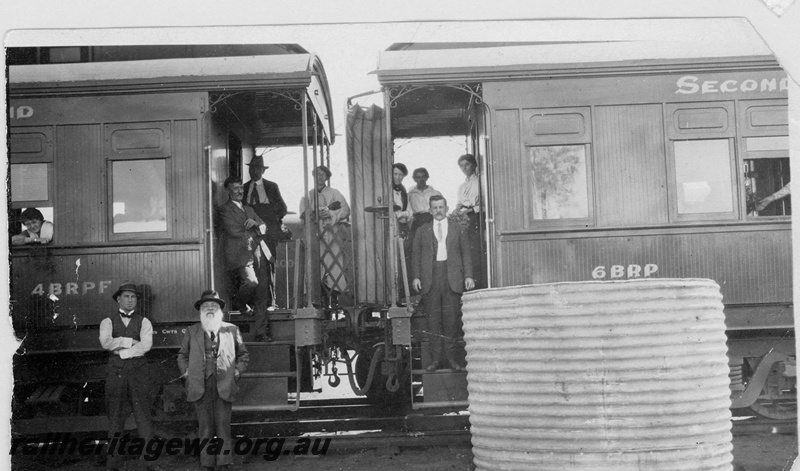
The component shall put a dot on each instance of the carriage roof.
(248, 80)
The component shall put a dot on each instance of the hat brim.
(259, 166)
(120, 291)
(199, 302)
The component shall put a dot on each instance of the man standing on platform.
(241, 244)
(212, 358)
(442, 269)
(127, 335)
(265, 198)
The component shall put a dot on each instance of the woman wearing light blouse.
(469, 204)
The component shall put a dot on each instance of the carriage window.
(560, 185)
(29, 182)
(767, 187)
(703, 176)
(139, 196)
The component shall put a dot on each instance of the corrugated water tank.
(616, 375)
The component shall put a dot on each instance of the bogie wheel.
(778, 399)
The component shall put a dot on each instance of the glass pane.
(766, 187)
(560, 188)
(703, 176)
(29, 182)
(139, 196)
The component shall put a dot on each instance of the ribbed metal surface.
(599, 376)
(716, 255)
(629, 165)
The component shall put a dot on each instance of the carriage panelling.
(750, 265)
(506, 169)
(188, 169)
(79, 209)
(629, 165)
(81, 282)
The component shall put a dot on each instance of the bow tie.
(125, 315)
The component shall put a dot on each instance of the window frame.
(119, 236)
(44, 157)
(162, 152)
(675, 132)
(530, 139)
(747, 130)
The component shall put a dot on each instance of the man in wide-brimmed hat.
(212, 358)
(265, 198)
(127, 335)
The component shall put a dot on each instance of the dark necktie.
(212, 336)
(254, 198)
(125, 315)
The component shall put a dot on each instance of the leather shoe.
(432, 367)
(263, 338)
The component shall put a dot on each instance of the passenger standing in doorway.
(127, 335)
(469, 204)
(333, 209)
(419, 201)
(442, 270)
(241, 244)
(402, 215)
(212, 358)
(265, 198)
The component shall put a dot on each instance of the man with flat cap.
(265, 198)
(127, 335)
(212, 358)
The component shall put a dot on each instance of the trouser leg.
(204, 408)
(138, 388)
(118, 409)
(248, 282)
(451, 322)
(222, 418)
(434, 307)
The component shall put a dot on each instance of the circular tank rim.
(653, 282)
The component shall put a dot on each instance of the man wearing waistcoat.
(212, 358)
(441, 268)
(127, 335)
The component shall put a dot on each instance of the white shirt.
(441, 249)
(419, 200)
(123, 346)
(238, 204)
(258, 186)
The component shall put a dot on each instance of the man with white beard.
(212, 358)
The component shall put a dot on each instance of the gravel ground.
(764, 452)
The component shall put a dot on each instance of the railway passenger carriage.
(127, 154)
(616, 161)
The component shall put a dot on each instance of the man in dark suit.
(265, 198)
(212, 358)
(442, 269)
(241, 244)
